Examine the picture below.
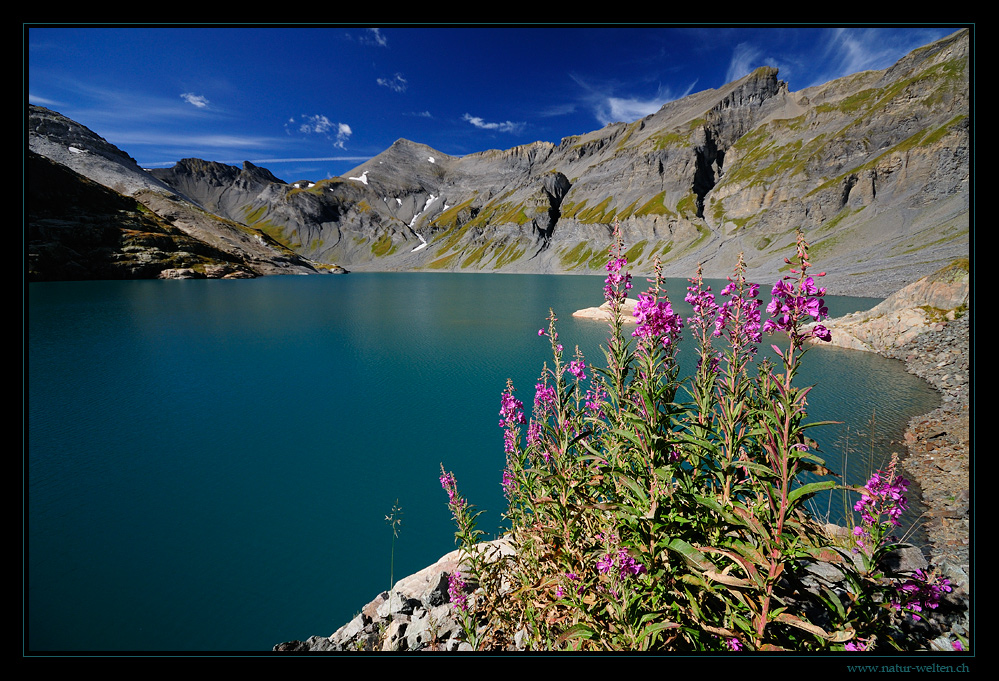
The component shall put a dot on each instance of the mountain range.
(875, 168)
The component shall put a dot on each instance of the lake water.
(210, 463)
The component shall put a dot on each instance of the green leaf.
(810, 488)
(631, 484)
(651, 630)
(577, 631)
(691, 554)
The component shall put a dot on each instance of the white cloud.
(145, 138)
(376, 37)
(844, 51)
(319, 124)
(261, 161)
(505, 126)
(342, 135)
(315, 124)
(396, 83)
(199, 101)
(609, 108)
(42, 101)
(558, 110)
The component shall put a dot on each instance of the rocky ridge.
(93, 213)
(873, 167)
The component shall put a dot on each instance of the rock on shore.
(927, 325)
(934, 344)
(922, 306)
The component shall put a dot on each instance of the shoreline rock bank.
(934, 346)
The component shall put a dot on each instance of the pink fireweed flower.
(456, 591)
(451, 487)
(792, 304)
(738, 318)
(572, 577)
(544, 397)
(594, 400)
(507, 483)
(733, 644)
(703, 302)
(702, 322)
(616, 285)
(511, 409)
(533, 433)
(657, 323)
(881, 505)
(509, 442)
(622, 562)
(921, 591)
(578, 369)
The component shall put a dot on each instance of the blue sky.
(315, 102)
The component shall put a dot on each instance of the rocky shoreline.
(938, 459)
(415, 616)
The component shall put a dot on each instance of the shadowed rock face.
(873, 167)
(92, 213)
(78, 229)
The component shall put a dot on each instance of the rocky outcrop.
(79, 229)
(94, 214)
(922, 306)
(416, 614)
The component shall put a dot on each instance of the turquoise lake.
(209, 464)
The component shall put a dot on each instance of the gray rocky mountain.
(93, 213)
(873, 167)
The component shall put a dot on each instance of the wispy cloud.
(850, 51)
(375, 37)
(844, 51)
(262, 161)
(396, 83)
(184, 140)
(505, 126)
(610, 108)
(420, 114)
(745, 58)
(41, 101)
(558, 110)
(319, 124)
(199, 101)
(310, 160)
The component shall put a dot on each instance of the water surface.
(210, 463)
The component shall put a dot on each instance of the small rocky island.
(603, 313)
